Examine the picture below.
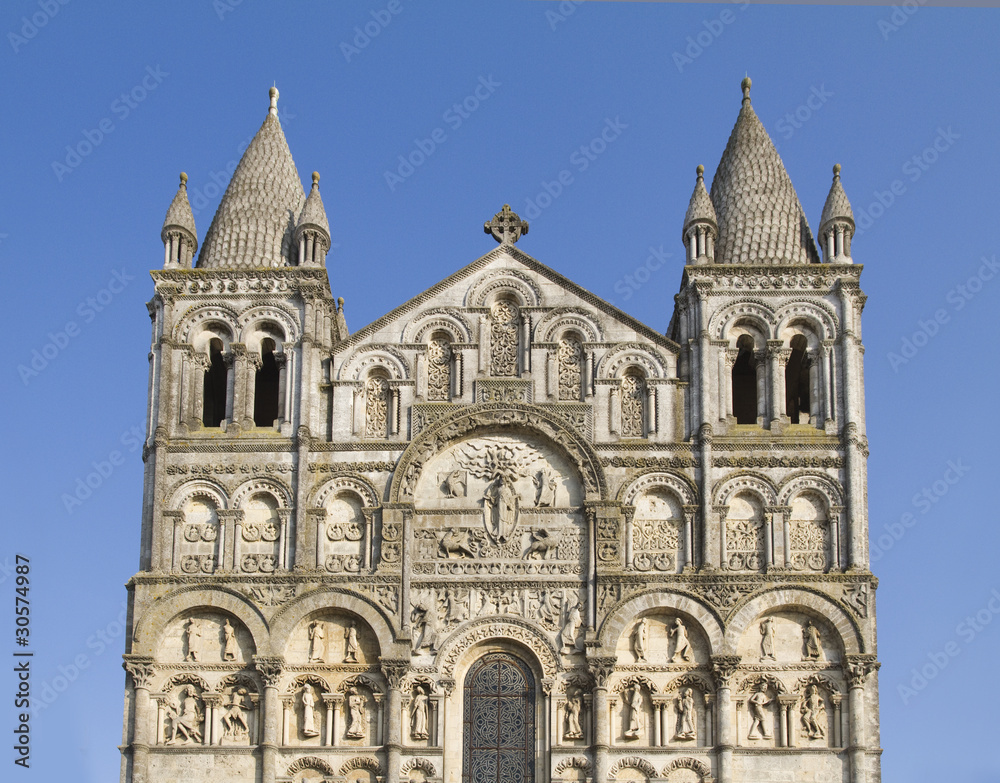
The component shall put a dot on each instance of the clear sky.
(107, 102)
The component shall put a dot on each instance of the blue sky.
(140, 93)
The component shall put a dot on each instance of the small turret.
(312, 233)
(179, 235)
(701, 228)
(836, 226)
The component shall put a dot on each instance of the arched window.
(504, 339)
(633, 397)
(377, 394)
(215, 386)
(570, 369)
(797, 398)
(745, 382)
(745, 534)
(439, 360)
(265, 395)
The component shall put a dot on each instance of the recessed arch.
(287, 619)
(360, 363)
(501, 283)
(258, 486)
(623, 614)
(745, 481)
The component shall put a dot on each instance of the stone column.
(164, 556)
(768, 539)
(615, 412)
(238, 378)
(709, 559)
(723, 669)
(394, 671)
(776, 359)
(829, 384)
(709, 719)
(281, 359)
(270, 669)
(657, 721)
(727, 381)
(690, 515)
(230, 529)
(837, 740)
(720, 513)
(786, 705)
(836, 520)
(213, 702)
(141, 672)
(628, 512)
(601, 668)
(857, 670)
(253, 364)
(761, 372)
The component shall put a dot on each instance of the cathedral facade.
(505, 533)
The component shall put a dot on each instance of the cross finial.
(506, 226)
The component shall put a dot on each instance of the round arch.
(745, 481)
(625, 612)
(679, 485)
(344, 482)
(814, 482)
(366, 358)
(202, 317)
(755, 315)
(818, 316)
(262, 485)
(468, 643)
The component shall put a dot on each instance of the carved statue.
(425, 625)
(351, 643)
(545, 482)
(634, 713)
(229, 646)
(356, 717)
(685, 716)
(186, 722)
(544, 543)
(418, 714)
(308, 711)
(455, 484)
(767, 639)
(574, 705)
(640, 640)
(192, 636)
(317, 641)
(813, 713)
(570, 629)
(813, 643)
(547, 608)
(456, 542)
(682, 645)
(455, 607)
(500, 508)
(758, 720)
(234, 719)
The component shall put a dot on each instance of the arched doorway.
(499, 724)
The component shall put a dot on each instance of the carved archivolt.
(240, 679)
(346, 483)
(217, 318)
(552, 325)
(509, 281)
(310, 762)
(694, 765)
(745, 481)
(804, 482)
(816, 679)
(312, 679)
(448, 320)
(757, 315)
(635, 762)
(197, 489)
(386, 357)
(820, 317)
(679, 485)
(361, 762)
(362, 680)
(616, 361)
(423, 765)
(262, 486)
(754, 681)
(187, 678)
(574, 762)
(689, 680)
(259, 318)
(486, 630)
(635, 679)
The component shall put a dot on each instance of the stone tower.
(505, 532)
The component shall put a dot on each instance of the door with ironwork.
(499, 725)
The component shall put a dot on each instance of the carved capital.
(140, 669)
(269, 668)
(394, 672)
(601, 670)
(858, 668)
(723, 669)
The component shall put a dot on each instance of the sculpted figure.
(685, 715)
(308, 711)
(351, 643)
(229, 648)
(813, 713)
(813, 643)
(234, 720)
(454, 484)
(547, 609)
(682, 645)
(317, 641)
(545, 488)
(574, 704)
(187, 721)
(640, 640)
(544, 543)
(767, 639)
(356, 718)
(455, 609)
(500, 507)
(456, 542)
(758, 720)
(192, 636)
(570, 629)
(418, 714)
(425, 626)
(634, 713)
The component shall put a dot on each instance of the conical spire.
(836, 226)
(179, 235)
(256, 218)
(760, 218)
(312, 233)
(701, 228)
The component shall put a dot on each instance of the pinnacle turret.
(836, 226)
(179, 235)
(312, 233)
(701, 228)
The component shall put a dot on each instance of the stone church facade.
(506, 532)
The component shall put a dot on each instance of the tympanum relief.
(783, 638)
(206, 639)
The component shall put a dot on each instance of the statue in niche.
(425, 625)
(767, 639)
(317, 641)
(229, 646)
(634, 725)
(640, 640)
(308, 711)
(356, 717)
(455, 542)
(758, 720)
(454, 484)
(574, 705)
(685, 716)
(351, 643)
(813, 713)
(813, 643)
(682, 645)
(544, 543)
(192, 637)
(500, 508)
(570, 630)
(234, 719)
(186, 721)
(418, 714)
(545, 482)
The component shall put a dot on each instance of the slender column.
(310, 532)
(858, 669)
(723, 371)
(768, 539)
(709, 719)
(628, 512)
(727, 381)
(690, 514)
(783, 722)
(776, 378)
(284, 521)
(650, 409)
(178, 538)
(615, 412)
(230, 525)
(838, 728)
(761, 372)
(829, 383)
(254, 362)
(657, 717)
(335, 729)
(328, 702)
(721, 512)
(281, 360)
(393, 673)
(231, 367)
(287, 718)
(836, 517)
(270, 669)
(380, 720)
(141, 672)
(709, 557)
(366, 551)
(589, 381)
(601, 669)
(212, 703)
(723, 669)
(163, 556)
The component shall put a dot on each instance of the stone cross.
(506, 226)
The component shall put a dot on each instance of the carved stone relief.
(660, 640)
(331, 639)
(570, 360)
(633, 393)
(745, 534)
(376, 400)
(787, 637)
(810, 534)
(439, 370)
(206, 638)
(657, 532)
(185, 719)
(504, 343)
